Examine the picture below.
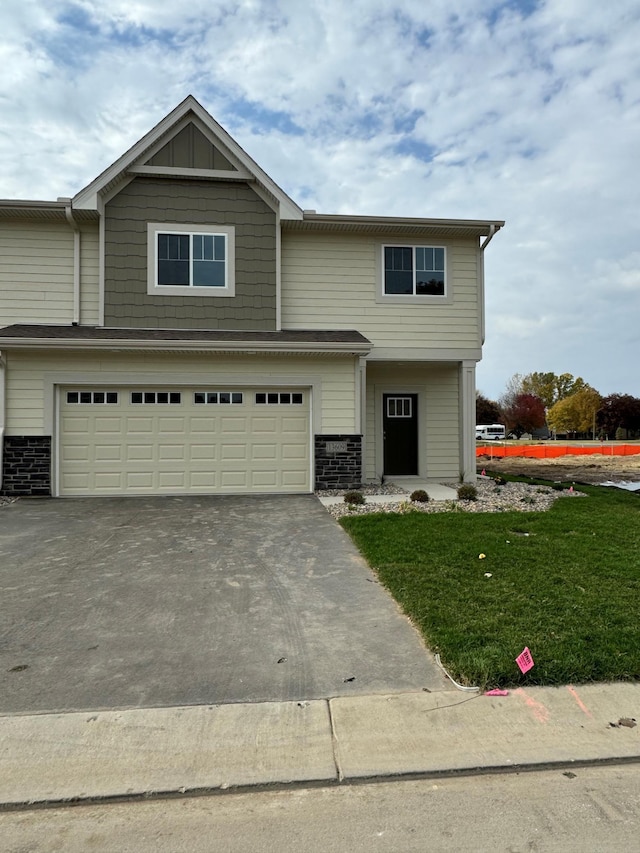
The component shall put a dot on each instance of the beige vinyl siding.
(26, 393)
(89, 276)
(36, 273)
(331, 281)
(438, 418)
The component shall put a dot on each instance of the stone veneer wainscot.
(338, 469)
(26, 468)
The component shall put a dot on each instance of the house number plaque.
(336, 447)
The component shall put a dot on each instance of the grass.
(565, 583)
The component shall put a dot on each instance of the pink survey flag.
(524, 660)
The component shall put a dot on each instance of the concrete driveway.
(146, 602)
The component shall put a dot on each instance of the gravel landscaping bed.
(512, 497)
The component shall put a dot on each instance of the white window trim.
(155, 289)
(422, 298)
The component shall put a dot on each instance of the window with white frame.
(414, 271)
(190, 260)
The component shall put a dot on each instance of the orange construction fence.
(553, 450)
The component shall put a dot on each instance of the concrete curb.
(114, 755)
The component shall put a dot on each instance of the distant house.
(181, 326)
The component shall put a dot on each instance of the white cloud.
(527, 111)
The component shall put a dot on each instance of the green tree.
(551, 388)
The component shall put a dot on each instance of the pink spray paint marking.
(581, 704)
(496, 692)
(539, 711)
(524, 660)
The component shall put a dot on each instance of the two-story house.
(181, 326)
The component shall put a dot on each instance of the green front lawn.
(565, 583)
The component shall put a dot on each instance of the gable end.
(190, 149)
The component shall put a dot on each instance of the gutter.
(2, 412)
(493, 230)
(68, 212)
(246, 347)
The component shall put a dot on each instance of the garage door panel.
(233, 479)
(203, 480)
(262, 425)
(136, 452)
(169, 425)
(235, 426)
(203, 453)
(293, 425)
(171, 480)
(264, 451)
(293, 479)
(79, 482)
(294, 451)
(76, 453)
(107, 453)
(107, 425)
(75, 424)
(180, 448)
(203, 426)
(140, 424)
(139, 480)
(171, 451)
(264, 480)
(233, 451)
(108, 482)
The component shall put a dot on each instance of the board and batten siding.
(438, 419)
(25, 390)
(189, 202)
(331, 281)
(36, 272)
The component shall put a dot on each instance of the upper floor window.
(190, 260)
(414, 271)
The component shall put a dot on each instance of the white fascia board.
(423, 354)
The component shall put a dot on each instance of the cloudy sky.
(523, 110)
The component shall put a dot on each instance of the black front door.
(400, 426)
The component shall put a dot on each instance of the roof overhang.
(394, 225)
(86, 338)
(51, 211)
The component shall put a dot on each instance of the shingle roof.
(289, 339)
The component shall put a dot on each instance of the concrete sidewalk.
(52, 758)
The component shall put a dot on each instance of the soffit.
(465, 228)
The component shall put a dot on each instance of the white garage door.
(143, 441)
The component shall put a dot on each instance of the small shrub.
(500, 481)
(467, 492)
(354, 498)
(419, 496)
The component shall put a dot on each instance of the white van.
(490, 432)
